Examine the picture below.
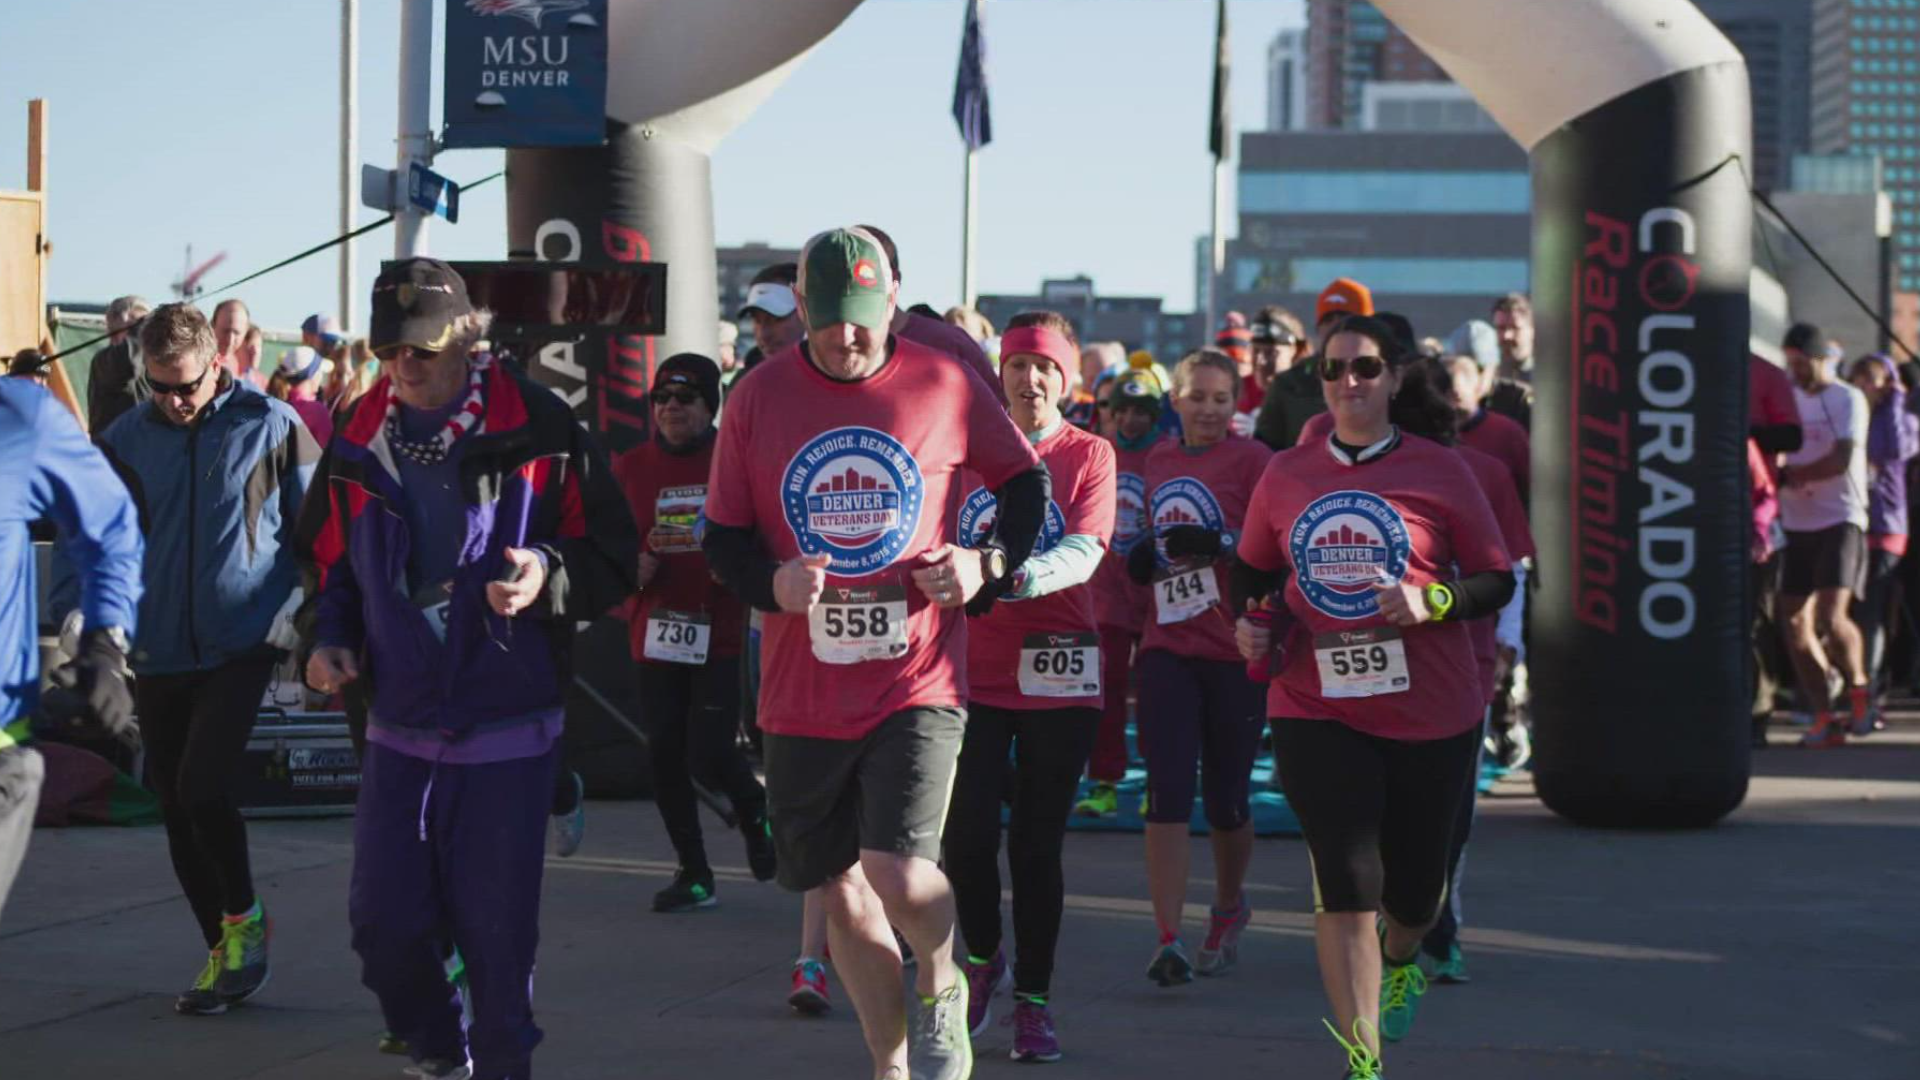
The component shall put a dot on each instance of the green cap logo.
(844, 277)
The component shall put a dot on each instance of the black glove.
(1192, 542)
(1140, 562)
(91, 691)
(982, 601)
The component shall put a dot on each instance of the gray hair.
(174, 332)
(468, 331)
(126, 310)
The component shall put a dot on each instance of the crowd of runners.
(930, 573)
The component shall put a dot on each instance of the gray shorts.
(827, 799)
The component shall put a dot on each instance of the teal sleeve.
(1068, 563)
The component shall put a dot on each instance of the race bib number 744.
(1184, 590)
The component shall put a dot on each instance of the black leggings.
(693, 723)
(1379, 814)
(195, 727)
(1049, 748)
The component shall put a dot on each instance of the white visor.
(775, 300)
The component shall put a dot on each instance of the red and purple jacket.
(532, 478)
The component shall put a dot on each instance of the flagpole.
(1217, 247)
(967, 221)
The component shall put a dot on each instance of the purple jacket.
(1893, 438)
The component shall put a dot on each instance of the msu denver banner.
(526, 73)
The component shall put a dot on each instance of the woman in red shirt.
(685, 633)
(1378, 545)
(1197, 710)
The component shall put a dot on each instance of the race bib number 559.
(852, 625)
(1361, 663)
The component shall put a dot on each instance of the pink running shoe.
(1033, 1037)
(983, 982)
(809, 996)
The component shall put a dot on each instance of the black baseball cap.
(416, 302)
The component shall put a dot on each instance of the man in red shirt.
(1487, 431)
(833, 490)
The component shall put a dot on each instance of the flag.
(970, 84)
(1220, 133)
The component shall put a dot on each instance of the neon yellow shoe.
(201, 999)
(1102, 801)
(246, 970)
(1362, 1062)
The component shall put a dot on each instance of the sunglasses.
(680, 397)
(1365, 367)
(185, 389)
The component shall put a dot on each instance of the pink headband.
(1041, 341)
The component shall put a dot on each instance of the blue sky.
(216, 125)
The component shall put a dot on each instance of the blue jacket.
(219, 502)
(48, 469)
(533, 478)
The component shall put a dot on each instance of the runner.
(1121, 606)
(467, 521)
(833, 488)
(48, 470)
(1197, 707)
(1033, 676)
(1378, 533)
(218, 470)
(686, 634)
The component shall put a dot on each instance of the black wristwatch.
(994, 563)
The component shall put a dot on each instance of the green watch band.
(1439, 600)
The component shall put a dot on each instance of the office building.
(1136, 322)
(1350, 44)
(736, 266)
(1866, 103)
(1437, 225)
(1287, 81)
(1421, 106)
(1774, 36)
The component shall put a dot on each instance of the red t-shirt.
(1210, 489)
(1415, 514)
(864, 471)
(1118, 602)
(1769, 401)
(1497, 485)
(668, 493)
(1507, 441)
(1083, 480)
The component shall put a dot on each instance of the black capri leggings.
(1378, 814)
(1203, 713)
(693, 726)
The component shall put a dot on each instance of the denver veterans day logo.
(853, 493)
(1342, 544)
(980, 510)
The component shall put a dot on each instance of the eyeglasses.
(679, 397)
(185, 389)
(1365, 367)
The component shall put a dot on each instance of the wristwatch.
(1439, 600)
(993, 563)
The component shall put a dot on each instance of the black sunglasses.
(185, 389)
(1364, 367)
(683, 397)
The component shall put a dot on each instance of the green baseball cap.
(844, 278)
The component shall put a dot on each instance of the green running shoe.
(200, 999)
(1102, 801)
(1400, 988)
(392, 1044)
(690, 891)
(1362, 1063)
(1451, 970)
(245, 940)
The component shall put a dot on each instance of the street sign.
(525, 73)
(433, 193)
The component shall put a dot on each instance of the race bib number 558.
(852, 625)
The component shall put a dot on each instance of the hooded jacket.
(531, 477)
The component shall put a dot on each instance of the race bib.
(678, 637)
(1060, 665)
(852, 625)
(1183, 590)
(1361, 663)
(433, 602)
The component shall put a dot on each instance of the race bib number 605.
(1060, 665)
(852, 625)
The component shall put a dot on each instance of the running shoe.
(1868, 723)
(985, 980)
(244, 937)
(809, 994)
(393, 1044)
(437, 1069)
(570, 828)
(690, 891)
(1401, 986)
(1222, 947)
(1033, 1037)
(1170, 965)
(1362, 1063)
(200, 999)
(1102, 801)
(1825, 734)
(759, 836)
(937, 1046)
(1450, 969)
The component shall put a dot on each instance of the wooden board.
(22, 307)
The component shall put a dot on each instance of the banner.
(526, 73)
